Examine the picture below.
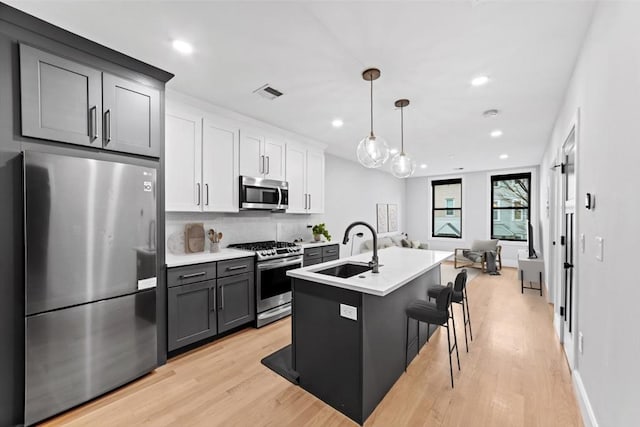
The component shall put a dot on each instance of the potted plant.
(318, 230)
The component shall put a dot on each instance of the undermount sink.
(345, 270)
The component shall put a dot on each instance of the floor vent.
(268, 92)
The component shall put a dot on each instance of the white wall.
(476, 211)
(605, 88)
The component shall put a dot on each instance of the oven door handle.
(276, 264)
(279, 197)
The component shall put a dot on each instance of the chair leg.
(468, 314)
(449, 351)
(464, 319)
(406, 348)
(418, 327)
(428, 331)
(455, 337)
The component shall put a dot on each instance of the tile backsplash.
(241, 227)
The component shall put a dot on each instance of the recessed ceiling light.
(393, 151)
(337, 123)
(182, 47)
(480, 81)
(423, 166)
(504, 156)
(496, 133)
(458, 169)
(490, 113)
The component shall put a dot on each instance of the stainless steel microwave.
(265, 194)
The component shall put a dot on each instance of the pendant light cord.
(402, 130)
(371, 102)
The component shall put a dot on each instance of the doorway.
(565, 266)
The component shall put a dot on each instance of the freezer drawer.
(78, 353)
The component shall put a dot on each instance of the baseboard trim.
(588, 416)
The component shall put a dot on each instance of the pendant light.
(372, 151)
(402, 166)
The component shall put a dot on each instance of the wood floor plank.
(514, 374)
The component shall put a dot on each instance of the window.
(510, 195)
(446, 215)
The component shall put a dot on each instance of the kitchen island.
(349, 333)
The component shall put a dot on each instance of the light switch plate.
(599, 248)
(349, 311)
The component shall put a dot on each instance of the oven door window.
(275, 281)
(261, 195)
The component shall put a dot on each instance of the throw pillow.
(405, 243)
(415, 244)
(397, 239)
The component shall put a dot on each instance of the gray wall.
(605, 88)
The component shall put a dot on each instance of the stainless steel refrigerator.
(90, 229)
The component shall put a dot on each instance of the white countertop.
(173, 260)
(398, 266)
(314, 244)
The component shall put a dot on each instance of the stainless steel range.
(273, 287)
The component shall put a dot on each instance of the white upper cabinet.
(296, 177)
(220, 157)
(202, 155)
(305, 175)
(183, 170)
(260, 156)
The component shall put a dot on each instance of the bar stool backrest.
(443, 300)
(461, 281)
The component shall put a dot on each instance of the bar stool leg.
(468, 314)
(455, 337)
(464, 319)
(449, 351)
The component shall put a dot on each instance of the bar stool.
(437, 313)
(459, 296)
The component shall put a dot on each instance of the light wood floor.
(515, 374)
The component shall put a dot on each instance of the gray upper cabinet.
(131, 117)
(69, 102)
(61, 99)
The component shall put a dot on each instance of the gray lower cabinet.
(321, 254)
(192, 313)
(65, 101)
(61, 100)
(201, 306)
(236, 301)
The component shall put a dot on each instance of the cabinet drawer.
(235, 266)
(191, 274)
(330, 257)
(312, 253)
(311, 261)
(331, 252)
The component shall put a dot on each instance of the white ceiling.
(315, 52)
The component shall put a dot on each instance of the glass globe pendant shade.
(372, 152)
(402, 166)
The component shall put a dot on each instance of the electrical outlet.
(580, 343)
(349, 311)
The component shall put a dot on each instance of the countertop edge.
(206, 257)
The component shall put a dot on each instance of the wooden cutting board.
(194, 238)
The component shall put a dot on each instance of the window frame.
(509, 177)
(446, 210)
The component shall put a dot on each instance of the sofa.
(399, 240)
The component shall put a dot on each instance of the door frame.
(569, 343)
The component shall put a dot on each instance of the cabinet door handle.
(309, 201)
(311, 254)
(212, 299)
(107, 126)
(222, 297)
(261, 166)
(306, 204)
(268, 166)
(198, 193)
(332, 251)
(237, 267)
(206, 186)
(93, 122)
(189, 276)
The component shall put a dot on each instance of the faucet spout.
(374, 260)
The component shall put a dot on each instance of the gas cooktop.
(270, 249)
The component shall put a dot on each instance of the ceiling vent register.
(268, 92)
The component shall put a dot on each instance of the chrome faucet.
(374, 261)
